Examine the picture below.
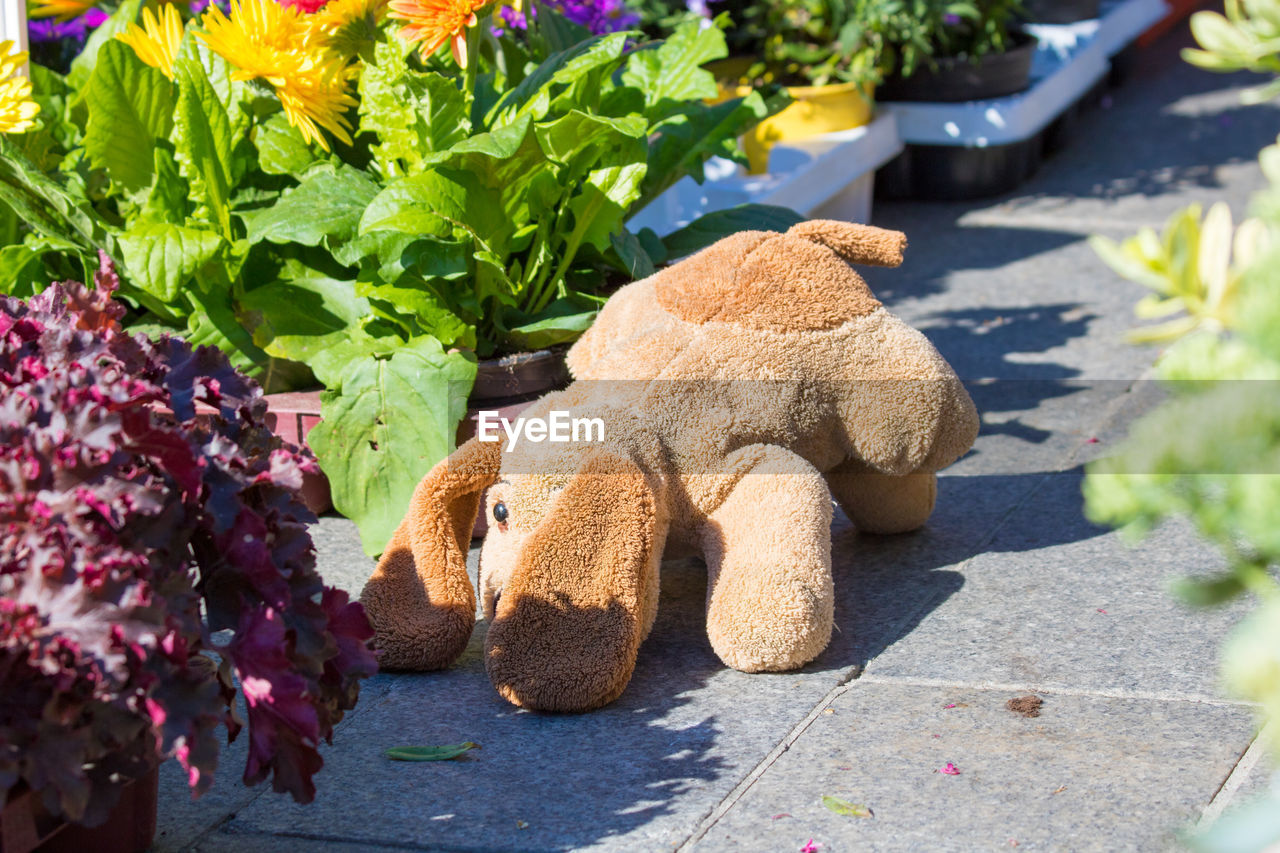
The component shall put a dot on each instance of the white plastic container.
(1069, 61)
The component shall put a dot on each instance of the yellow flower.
(16, 107)
(266, 41)
(257, 39)
(348, 26)
(316, 94)
(156, 41)
(433, 22)
(337, 14)
(62, 9)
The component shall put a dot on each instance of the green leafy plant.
(806, 42)
(918, 32)
(1211, 453)
(423, 216)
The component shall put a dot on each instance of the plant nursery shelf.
(825, 177)
(978, 148)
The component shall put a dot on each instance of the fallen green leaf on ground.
(430, 753)
(846, 808)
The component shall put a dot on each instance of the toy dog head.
(570, 572)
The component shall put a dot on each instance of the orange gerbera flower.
(433, 22)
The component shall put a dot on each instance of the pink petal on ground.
(948, 769)
(780, 816)
(810, 847)
(952, 705)
(1103, 612)
(1091, 441)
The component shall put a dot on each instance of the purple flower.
(701, 8)
(513, 19)
(950, 19)
(198, 6)
(46, 30)
(599, 16)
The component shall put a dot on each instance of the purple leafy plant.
(140, 485)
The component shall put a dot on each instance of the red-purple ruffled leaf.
(138, 481)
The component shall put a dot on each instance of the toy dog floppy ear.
(582, 593)
(419, 599)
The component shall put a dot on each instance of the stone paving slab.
(1090, 773)
(1054, 601)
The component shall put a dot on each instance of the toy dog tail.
(857, 244)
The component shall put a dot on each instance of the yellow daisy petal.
(156, 41)
(17, 109)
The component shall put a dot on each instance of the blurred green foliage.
(1211, 452)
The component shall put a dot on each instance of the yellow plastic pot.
(816, 110)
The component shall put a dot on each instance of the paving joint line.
(368, 843)
(1249, 759)
(740, 790)
(856, 673)
(1082, 226)
(1097, 693)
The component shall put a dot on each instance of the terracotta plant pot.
(26, 825)
(507, 385)
(291, 416)
(957, 79)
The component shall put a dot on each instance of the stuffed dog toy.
(740, 391)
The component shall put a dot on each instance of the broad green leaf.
(213, 322)
(396, 253)
(532, 97)
(204, 141)
(707, 229)
(162, 258)
(434, 204)
(633, 255)
(168, 200)
(687, 138)
(607, 196)
(671, 74)
(577, 134)
(845, 808)
(326, 206)
(383, 428)
(563, 321)
(83, 65)
(281, 148)
(411, 113)
(430, 753)
(308, 317)
(46, 206)
(130, 108)
(428, 312)
(19, 265)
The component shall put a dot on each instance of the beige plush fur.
(742, 389)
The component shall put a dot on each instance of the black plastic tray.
(957, 173)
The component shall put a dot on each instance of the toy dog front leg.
(768, 553)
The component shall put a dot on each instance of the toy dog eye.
(500, 512)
